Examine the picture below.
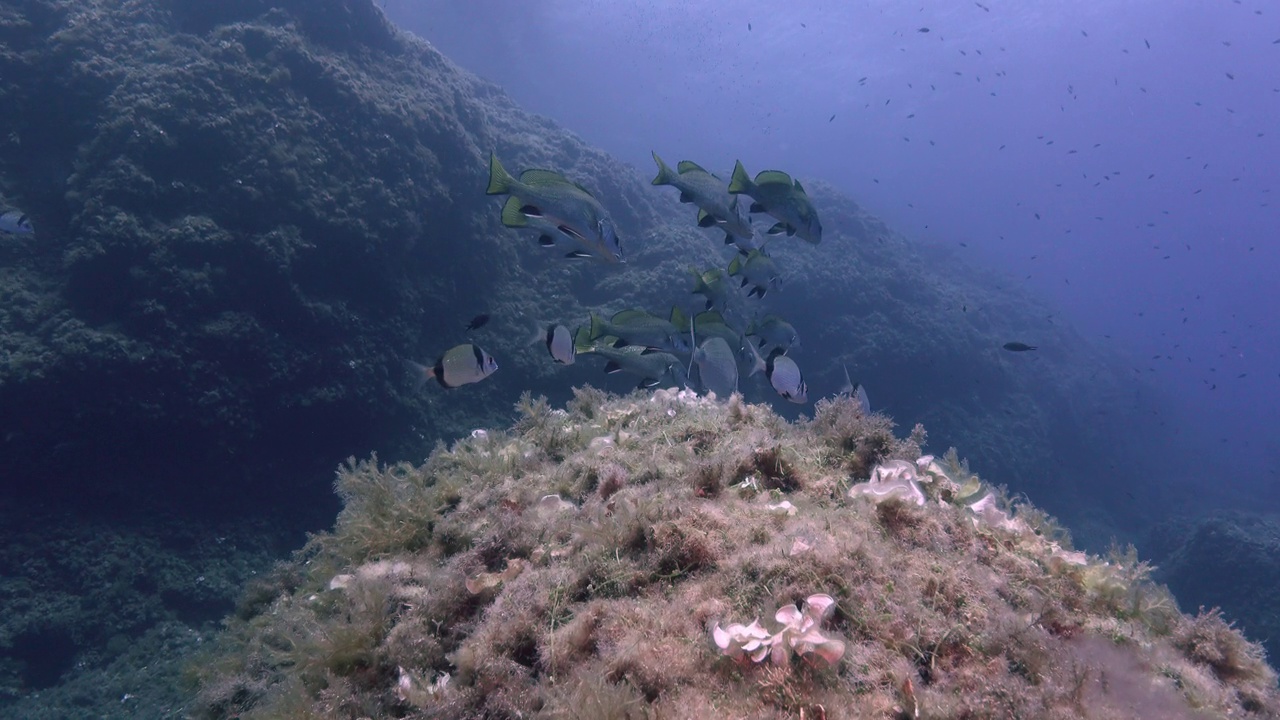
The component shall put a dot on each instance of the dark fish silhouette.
(478, 322)
(1018, 347)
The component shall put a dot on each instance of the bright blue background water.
(1151, 168)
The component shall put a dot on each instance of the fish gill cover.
(250, 214)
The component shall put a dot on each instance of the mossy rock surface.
(577, 564)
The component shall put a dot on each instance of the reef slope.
(592, 563)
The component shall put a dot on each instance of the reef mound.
(604, 561)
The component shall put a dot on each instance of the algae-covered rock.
(447, 590)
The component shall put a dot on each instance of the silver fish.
(775, 193)
(855, 391)
(558, 341)
(717, 367)
(784, 375)
(460, 365)
(567, 206)
(15, 222)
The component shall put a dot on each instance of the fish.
(757, 270)
(15, 222)
(547, 231)
(558, 341)
(922, 30)
(460, 365)
(775, 193)
(713, 285)
(650, 365)
(717, 367)
(785, 377)
(637, 327)
(1018, 347)
(708, 192)
(773, 330)
(573, 211)
(478, 322)
(855, 391)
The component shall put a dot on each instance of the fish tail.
(500, 181)
(420, 374)
(597, 327)
(665, 174)
(741, 181)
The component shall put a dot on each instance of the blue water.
(1116, 159)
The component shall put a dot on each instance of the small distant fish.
(1148, 43)
(554, 198)
(775, 193)
(15, 222)
(922, 30)
(717, 367)
(1018, 347)
(748, 27)
(460, 365)
(558, 341)
(478, 322)
(785, 377)
(833, 117)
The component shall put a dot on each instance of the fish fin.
(706, 219)
(678, 317)
(582, 340)
(620, 343)
(546, 241)
(529, 211)
(500, 180)
(596, 328)
(744, 283)
(740, 181)
(420, 374)
(647, 383)
(735, 265)
(665, 176)
(728, 238)
(756, 208)
(777, 229)
(799, 188)
(651, 351)
(511, 215)
(612, 367)
(758, 291)
(773, 177)
(686, 197)
(790, 231)
(685, 166)
(578, 255)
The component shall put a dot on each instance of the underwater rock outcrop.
(605, 561)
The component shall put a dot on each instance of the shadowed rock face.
(1230, 561)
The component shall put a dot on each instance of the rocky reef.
(250, 213)
(648, 556)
